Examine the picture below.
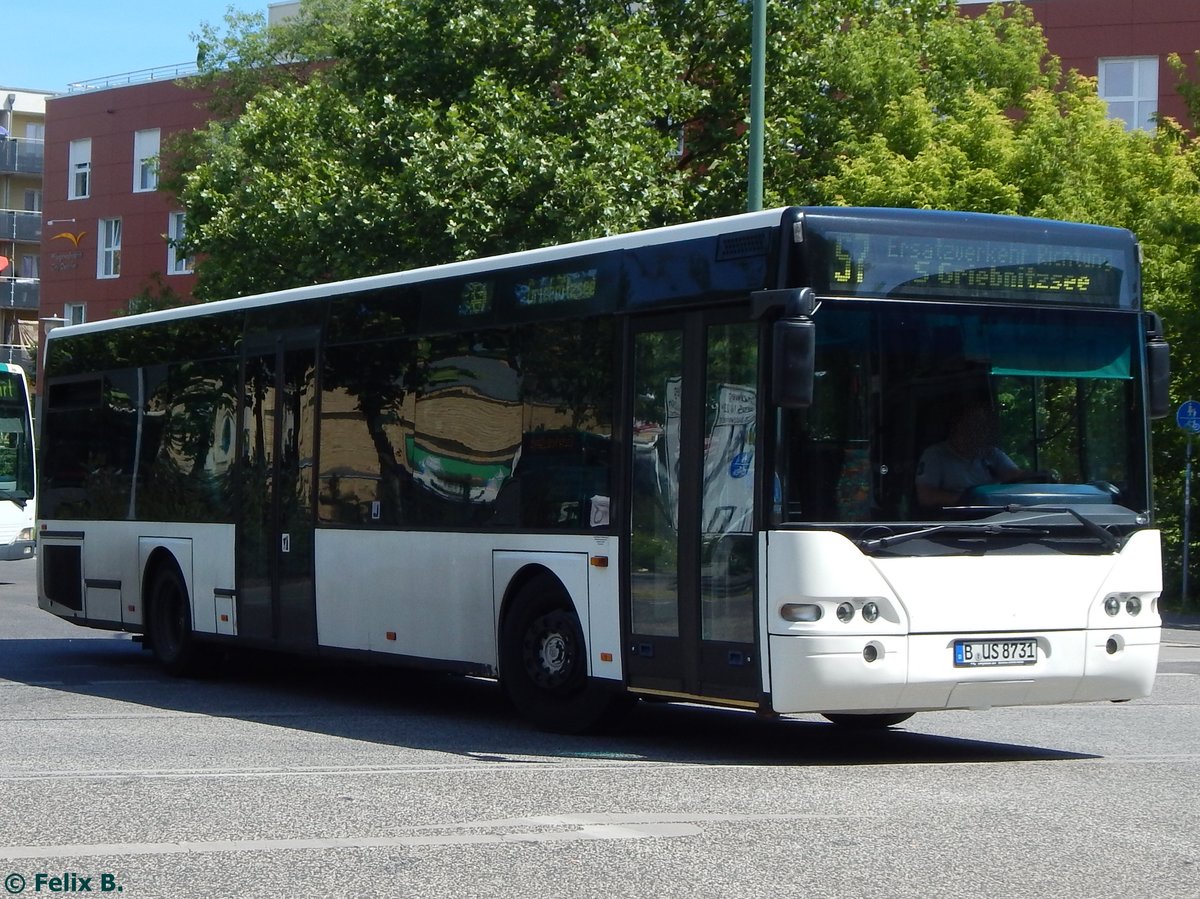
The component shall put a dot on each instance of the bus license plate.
(988, 653)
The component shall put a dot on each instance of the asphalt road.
(282, 779)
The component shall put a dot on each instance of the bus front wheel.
(543, 663)
(170, 627)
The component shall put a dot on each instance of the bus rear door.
(275, 529)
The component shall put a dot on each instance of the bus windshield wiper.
(1107, 538)
(987, 529)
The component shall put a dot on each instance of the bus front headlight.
(800, 611)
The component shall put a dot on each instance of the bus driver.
(967, 458)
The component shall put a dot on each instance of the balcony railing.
(19, 293)
(21, 156)
(25, 227)
(139, 76)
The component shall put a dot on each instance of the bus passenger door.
(690, 579)
(275, 598)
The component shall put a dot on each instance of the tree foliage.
(445, 130)
(410, 132)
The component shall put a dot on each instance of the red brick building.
(1124, 44)
(106, 226)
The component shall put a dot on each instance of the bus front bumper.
(917, 672)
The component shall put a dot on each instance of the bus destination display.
(917, 267)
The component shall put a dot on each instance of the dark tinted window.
(89, 432)
(495, 428)
(705, 268)
(365, 419)
(87, 353)
(188, 442)
(375, 315)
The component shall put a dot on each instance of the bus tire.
(867, 722)
(543, 663)
(170, 628)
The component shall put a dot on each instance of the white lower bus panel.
(917, 672)
(438, 596)
(109, 560)
(1047, 612)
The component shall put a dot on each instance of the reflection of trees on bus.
(158, 439)
(654, 538)
(416, 431)
(727, 487)
(188, 438)
(1068, 426)
(456, 429)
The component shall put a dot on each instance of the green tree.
(445, 130)
(243, 57)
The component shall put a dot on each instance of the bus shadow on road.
(469, 716)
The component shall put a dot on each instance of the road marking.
(560, 831)
(564, 765)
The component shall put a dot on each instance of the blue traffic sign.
(1188, 416)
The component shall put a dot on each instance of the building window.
(1129, 85)
(29, 266)
(108, 261)
(177, 262)
(74, 313)
(33, 200)
(145, 160)
(80, 164)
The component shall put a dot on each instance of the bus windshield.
(16, 445)
(1058, 414)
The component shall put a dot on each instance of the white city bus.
(17, 493)
(678, 464)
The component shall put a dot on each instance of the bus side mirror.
(794, 353)
(1158, 367)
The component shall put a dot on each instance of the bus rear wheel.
(170, 628)
(868, 722)
(543, 663)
